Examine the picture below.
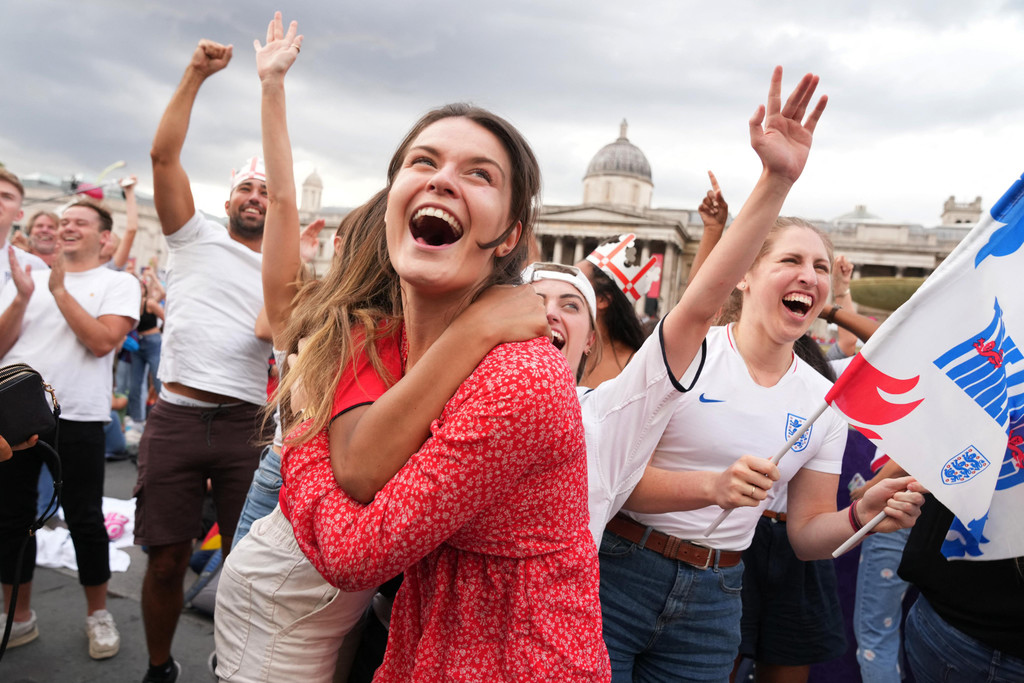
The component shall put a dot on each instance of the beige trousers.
(276, 617)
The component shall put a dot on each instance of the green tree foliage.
(885, 293)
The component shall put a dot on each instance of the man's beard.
(46, 249)
(238, 227)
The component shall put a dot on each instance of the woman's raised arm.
(281, 260)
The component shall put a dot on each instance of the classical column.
(556, 253)
(577, 252)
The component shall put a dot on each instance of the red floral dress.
(489, 522)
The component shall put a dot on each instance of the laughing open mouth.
(435, 227)
(798, 303)
(557, 339)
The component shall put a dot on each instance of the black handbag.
(24, 410)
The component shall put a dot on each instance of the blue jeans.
(939, 653)
(665, 620)
(123, 374)
(263, 493)
(147, 355)
(113, 434)
(878, 608)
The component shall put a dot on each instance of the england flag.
(940, 386)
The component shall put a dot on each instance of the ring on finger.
(752, 487)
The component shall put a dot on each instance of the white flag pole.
(775, 461)
(864, 531)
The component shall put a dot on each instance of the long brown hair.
(361, 292)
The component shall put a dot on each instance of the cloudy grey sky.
(925, 95)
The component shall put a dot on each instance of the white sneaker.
(21, 631)
(132, 438)
(104, 640)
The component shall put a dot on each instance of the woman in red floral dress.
(489, 518)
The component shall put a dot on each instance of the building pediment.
(604, 215)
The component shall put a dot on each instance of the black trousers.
(81, 450)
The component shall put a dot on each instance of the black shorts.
(791, 612)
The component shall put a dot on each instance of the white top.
(730, 416)
(624, 419)
(777, 495)
(83, 383)
(24, 258)
(214, 294)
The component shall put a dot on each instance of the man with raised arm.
(213, 368)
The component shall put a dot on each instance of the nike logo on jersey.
(705, 399)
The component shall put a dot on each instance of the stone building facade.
(617, 192)
(618, 188)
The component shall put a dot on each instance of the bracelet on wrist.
(854, 522)
(831, 317)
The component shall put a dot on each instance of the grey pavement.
(61, 653)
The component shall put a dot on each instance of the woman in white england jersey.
(671, 596)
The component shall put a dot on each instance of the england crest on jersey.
(793, 424)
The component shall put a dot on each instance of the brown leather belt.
(777, 516)
(671, 547)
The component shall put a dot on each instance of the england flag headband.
(252, 169)
(620, 260)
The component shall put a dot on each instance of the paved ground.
(61, 653)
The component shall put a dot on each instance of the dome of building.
(621, 158)
(312, 193)
(859, 214)
(313, 180)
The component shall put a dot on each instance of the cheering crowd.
(475, 467)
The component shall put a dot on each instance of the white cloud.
(923, 94)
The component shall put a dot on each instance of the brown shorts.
(181, 448)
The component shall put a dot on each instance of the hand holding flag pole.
(775, 461)
(856, 538)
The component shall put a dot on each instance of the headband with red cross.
(620, 260)
(252, 169)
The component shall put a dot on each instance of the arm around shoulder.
(484, 445)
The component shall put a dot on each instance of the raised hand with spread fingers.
(282, 47)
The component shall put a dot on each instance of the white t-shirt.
(778, 496)
(214, 294)
(83, 383)
(24, 258)
(731, 416)
(624, 419)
